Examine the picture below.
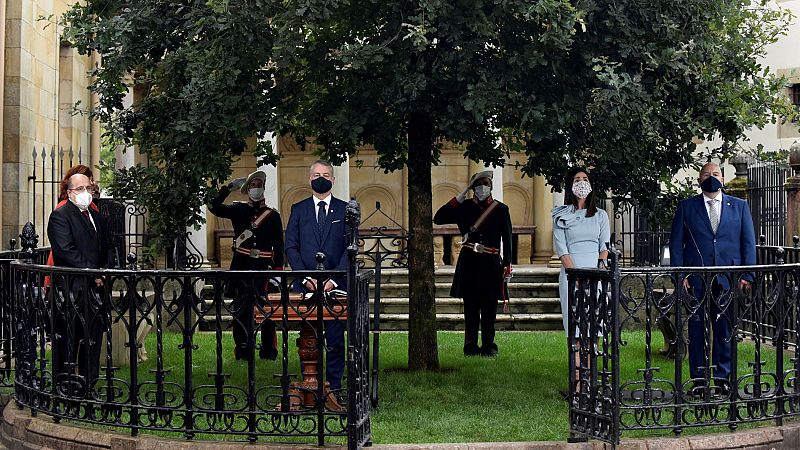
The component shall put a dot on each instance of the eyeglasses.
(81, 189)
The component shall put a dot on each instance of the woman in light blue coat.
(580, 230)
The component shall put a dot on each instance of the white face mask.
(581, 189)
(83, 200)
(256, 194)
(482, 192)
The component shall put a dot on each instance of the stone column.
(272, 185)
(341, 189)
(737, 187)
(542, 203)
(558, 199)
(792, 189)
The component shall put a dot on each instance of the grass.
(513, 397)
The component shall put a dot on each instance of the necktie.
(86, 215)
(713, 216)
(321, 215)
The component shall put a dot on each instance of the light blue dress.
(582, 238)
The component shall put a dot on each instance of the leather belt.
(253, 252)
(480, 248)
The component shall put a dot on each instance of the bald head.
(78, 180)
(710, 170)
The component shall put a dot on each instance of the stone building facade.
(43, 79)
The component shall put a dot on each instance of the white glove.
(462, 196)
(237, 184)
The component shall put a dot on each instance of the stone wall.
(43, 78)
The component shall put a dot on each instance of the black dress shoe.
(268, 353)
(471, 350)
(240, 353)
(489, 351)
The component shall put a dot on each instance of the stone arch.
(291, 197)
(368, 195)
(519, 203)
(443, 192)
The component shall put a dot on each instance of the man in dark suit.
(78, 239)
(712, 229)
(317, 224)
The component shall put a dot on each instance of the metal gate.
(767, 199)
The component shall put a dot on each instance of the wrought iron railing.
(619, 383)
(767, 198)
(7, 319)
(381, 247)
(79, 339)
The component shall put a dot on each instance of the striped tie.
(712, 215)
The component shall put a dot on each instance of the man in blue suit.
(317, 224)
(712, 229)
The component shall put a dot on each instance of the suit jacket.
(304, 238)
(693, 243)
(74, 241)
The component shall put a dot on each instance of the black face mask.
(711, 184)
(321, 185)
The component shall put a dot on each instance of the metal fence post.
(792, 189)
(25, 329)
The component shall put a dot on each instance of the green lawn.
(513, 397)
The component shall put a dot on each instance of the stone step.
(515, 289)
(534, 301)
(444, 274)
(449, 321)
(536, 305)
(518, 322)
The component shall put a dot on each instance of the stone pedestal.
(524, 249)
(737, 187)
(119, 340)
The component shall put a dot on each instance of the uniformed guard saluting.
(257, 245)
(482, 268)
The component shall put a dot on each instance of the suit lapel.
(724, 206)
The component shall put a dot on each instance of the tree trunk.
(423, 351)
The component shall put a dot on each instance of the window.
(794, 94)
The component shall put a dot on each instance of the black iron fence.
(79, 336)
(7, 318)
(729, 367)
(639, 241)
(381, 247)
(767, 199)
(49, 164)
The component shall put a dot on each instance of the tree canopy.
(622, 87)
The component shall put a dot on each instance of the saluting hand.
(236, 184)
(462, 196)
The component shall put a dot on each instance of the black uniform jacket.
(478, 274)
(268, 236)
(75, 242)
